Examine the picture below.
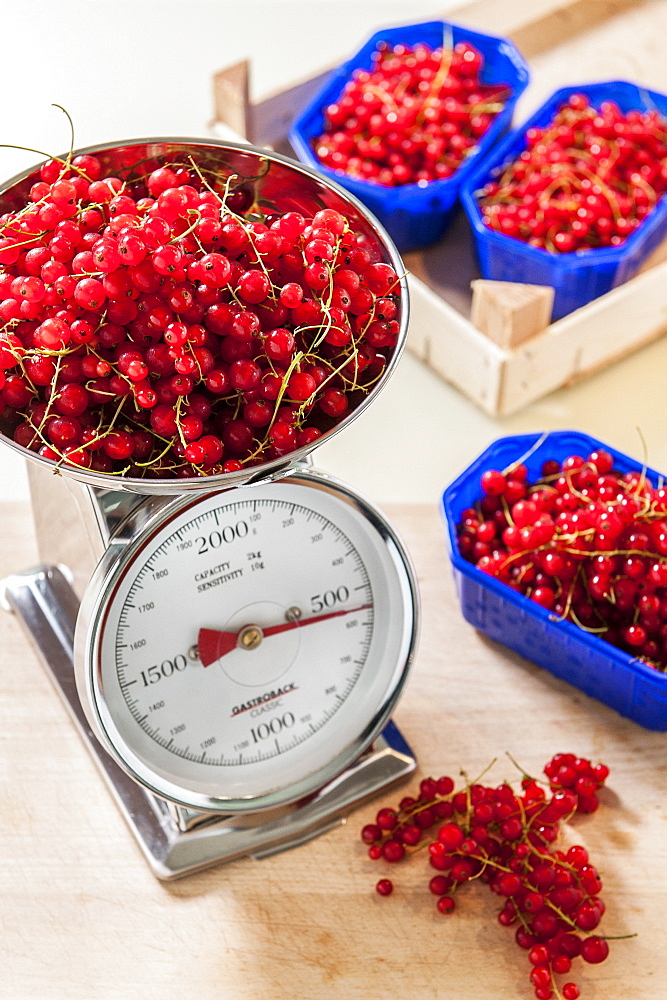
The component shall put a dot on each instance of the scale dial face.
(247, 646)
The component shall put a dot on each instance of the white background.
(132, 68)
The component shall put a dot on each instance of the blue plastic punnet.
(582, 275)
(414, 215)
(630, 686)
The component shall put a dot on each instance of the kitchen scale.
(235, 658)
(231, 649)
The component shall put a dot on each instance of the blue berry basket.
(631, 687)
(414, 215)
(579, 276)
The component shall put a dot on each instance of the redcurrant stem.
(322, 330)
(235, 296)
(468, 812)
(586, 628)
(476, 109)
(554, 985)
(294, 363)
(521, 770)
(30, 149)
(522, 572)
(642, 478)
(647, 189)
(239, 218)
(482, 773)
(334, 372)
(24, 243)
(190, 229)
(71, 130)
(522, 920)
(266, 166)
(384, 96)
(228, 182)
(179, 425)
(167, 441)
(396, 284)
(167, 447)
(526, 455)
(352, 384)
(506, 508)
(446, 57)
(617, 937)
(50, 401)
(559, 913)
(116, 414)
(330, 286)
(606, 191)
(261, 447)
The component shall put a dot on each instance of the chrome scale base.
(177, 841)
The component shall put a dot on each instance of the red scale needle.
(212, 643)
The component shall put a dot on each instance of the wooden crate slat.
(449, 344)
(511, 17)
(590, 338)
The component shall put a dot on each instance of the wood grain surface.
(82, 918)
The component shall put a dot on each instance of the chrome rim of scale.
(245, 647)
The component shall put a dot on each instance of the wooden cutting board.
(82, 918)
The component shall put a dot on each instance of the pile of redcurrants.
(413, 117)
(171, 323)
(508, 840)
(585, 180)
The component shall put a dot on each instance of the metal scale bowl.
(282, 755)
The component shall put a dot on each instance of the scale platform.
(177, 841)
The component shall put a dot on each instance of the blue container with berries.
(580, 275)
(622, 679)
(485, 87)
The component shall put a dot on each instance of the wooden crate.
(566, 42)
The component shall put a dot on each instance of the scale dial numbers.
(262, 698)
(250, 643)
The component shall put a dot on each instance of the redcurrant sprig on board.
(508, 840)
